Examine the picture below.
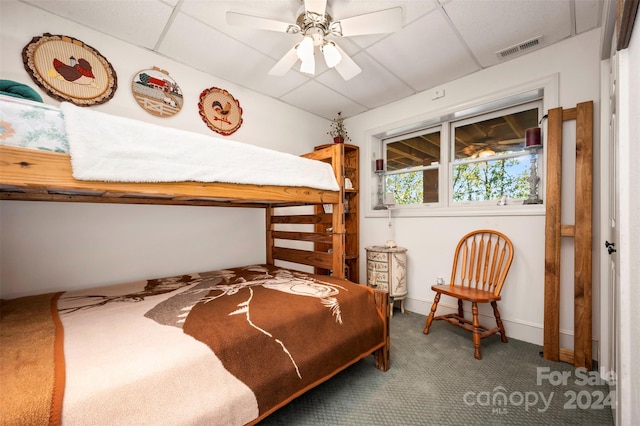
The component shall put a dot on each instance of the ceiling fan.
(488, 144)
(316, 26)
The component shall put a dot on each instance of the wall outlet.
(440, 281)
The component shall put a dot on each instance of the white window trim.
(373, 149)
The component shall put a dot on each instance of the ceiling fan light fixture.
(305, 49)
(487, 152)
(314, 23)
(308, 66)
(331, 55)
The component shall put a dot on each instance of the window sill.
(436, 211)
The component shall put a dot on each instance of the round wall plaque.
(220, 111)
(69, 70)
(156, 92)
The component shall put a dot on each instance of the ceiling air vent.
(519, 47)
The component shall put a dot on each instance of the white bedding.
(111, 148)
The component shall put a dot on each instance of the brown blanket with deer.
(220, 347)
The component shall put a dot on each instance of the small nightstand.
(387, 270)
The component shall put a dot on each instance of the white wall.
(48, 246)
(431, 238)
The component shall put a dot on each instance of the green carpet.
(435, 380)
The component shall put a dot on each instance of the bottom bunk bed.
(221, 347)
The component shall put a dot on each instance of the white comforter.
(112, 148)
(119, 149)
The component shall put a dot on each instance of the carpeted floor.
(434, 380)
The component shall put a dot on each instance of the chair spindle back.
(482, 260)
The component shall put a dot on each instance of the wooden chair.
(482, 260)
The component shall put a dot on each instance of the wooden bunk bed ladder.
(317, 259)
(329, 228)
(581, 232)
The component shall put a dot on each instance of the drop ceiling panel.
(139, 22)
(214, 52)
(374, 87)
(270, 43)
(320, 100)
(588, 15)
(425, 53)
(489, 26)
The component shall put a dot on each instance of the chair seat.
(466, 293)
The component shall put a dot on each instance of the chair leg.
(496, 313)
(460, 310)
(432, 313)
(476, 331)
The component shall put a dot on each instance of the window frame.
(447, 161)
(536, 103)
(545, 88)
(438, 128)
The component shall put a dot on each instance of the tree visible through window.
(413, 163)
(490, 180)
(485, 159)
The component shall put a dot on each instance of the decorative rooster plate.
(220, 111)
(69, 70)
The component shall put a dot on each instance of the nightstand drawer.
(378, 266)
(377, 256)
(379, 280)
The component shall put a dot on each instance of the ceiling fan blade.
(315, 6)
(383, 21)
(347, 67)
(515, 141)
(242, 20)
(285, 63)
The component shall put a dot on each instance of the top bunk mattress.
(110, 148)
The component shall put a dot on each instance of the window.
(413, 164)
(481, 158)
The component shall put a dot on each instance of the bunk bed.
(218, 347)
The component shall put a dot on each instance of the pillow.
(19, 90)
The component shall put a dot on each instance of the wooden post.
(383, 358)
(581, 232)
(553, 193)
(270, 240)
(583, 240)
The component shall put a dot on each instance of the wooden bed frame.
(33, 175)
(28, 174)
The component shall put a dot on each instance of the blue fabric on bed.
(19, 90)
